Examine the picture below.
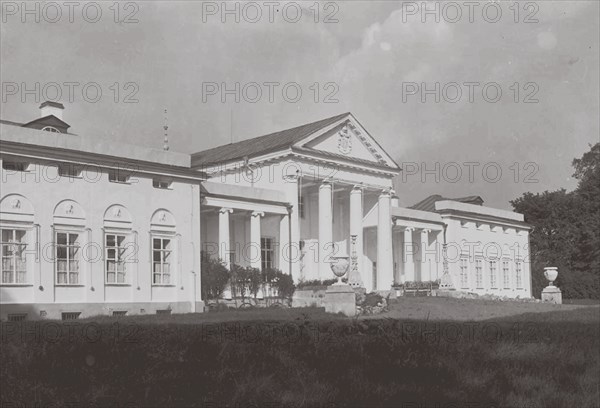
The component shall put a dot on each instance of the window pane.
(156, 243)
(61, 238)
(20, 236)
(110, 240)
(73, 238)
(156, 256)
(166, 244)
(61, 252)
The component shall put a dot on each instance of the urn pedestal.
(551, 294)
(340, 297)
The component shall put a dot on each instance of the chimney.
(52, 108)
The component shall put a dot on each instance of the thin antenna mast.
(166, 127)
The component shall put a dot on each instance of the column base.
(552, 294)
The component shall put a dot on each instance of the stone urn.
(339, 267)
(551, 273)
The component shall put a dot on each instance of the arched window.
(119, 245)
(163, 236)
(69, 238)
(18, 236)
(51, 129)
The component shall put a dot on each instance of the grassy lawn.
(430, 351)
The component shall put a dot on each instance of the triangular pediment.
(347, 139)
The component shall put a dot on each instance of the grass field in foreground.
(536, 356)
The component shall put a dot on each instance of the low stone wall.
(309, 297)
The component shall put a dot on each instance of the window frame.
(264, 251)
(74, 168)
(24, 253)
(519, 274)
(493, 267)
(158, 181)
(464, 272)
(80, 272)
(172, 254)
(479, 274)
(118, 173)
(117, 249)
(506, 273)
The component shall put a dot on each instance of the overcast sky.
(367, 61)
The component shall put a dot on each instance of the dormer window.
(69, 170)
(12, 165)
(161, 183)
(116, 176)
(51, 129)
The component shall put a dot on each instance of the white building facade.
(94, 228)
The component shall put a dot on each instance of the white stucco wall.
(93, 194)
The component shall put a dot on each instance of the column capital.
(409, 229)
(326, 183)
(425, 231)
(386, 192)
(357, 188)
(224, 210)
(258, 214)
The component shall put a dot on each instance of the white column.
(325, 230)
(291, 191)
(356, 227)
(426, 261)
(407, 252)
(385, 261)
(284, 244)
(224, 240)
(255, 252)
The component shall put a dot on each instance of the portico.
(308, 200)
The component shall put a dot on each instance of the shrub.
(213, 277)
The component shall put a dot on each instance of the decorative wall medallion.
(117, 212)
(163, 217)
(16, 204)
(69, 209)
(344, 141)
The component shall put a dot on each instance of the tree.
(566, 231)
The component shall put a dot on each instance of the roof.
(260, 145)
(53, 104)
(428, 204)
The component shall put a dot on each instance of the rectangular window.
(11, 165)
(14, 261)
(161, 255)
(70, 315)
(69, 170)
(479, 273)
(267, 253)
(464, 273)
(161, 183)
(67, 258)
(118, 176)
(518, 274)
(493, 271)
(115, 258)
(17, 317)
(505, 274)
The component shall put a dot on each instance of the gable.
(349, 140)
(46, 121)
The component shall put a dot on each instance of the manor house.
(94, 227)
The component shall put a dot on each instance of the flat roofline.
(85, 144)
(445, 206)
